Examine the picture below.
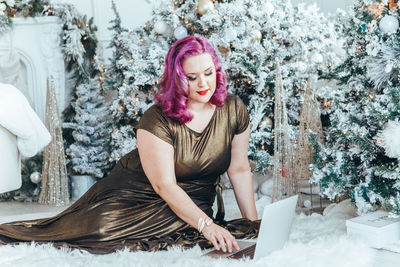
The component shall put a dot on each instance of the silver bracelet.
(203, 222)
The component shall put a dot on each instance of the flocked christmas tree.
(88, 154)
(249, 36)
(361, 155)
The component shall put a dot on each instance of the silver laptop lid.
(275, 226)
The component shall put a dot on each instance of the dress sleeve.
(242, 116)
(155, 122)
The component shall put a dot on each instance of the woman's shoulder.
(154, 111)
(233, 101)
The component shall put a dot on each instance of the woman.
(161, 193)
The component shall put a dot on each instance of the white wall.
(328, 6)
(135, 13)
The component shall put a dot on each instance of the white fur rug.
(316, 240)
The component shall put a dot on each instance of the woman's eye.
(191, 78)
(209, 73)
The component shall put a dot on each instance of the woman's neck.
(199, 107)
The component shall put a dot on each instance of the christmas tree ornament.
(310, 121)
(393, 4)
(389, 67)
(160, 27)
(180, 32)
(389, 24)
(230, 35)
(204, 6)
(375, 10)
(10, 3)
(363, 27)
(256, 35)
(317, 58)
(54, 171)
(284, 184)
(35, 177)
(389, 139)
(224, 51)
(269, 8)
(266, 122)
(3, 7)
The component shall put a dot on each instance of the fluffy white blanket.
(315, 241)
(17, 116)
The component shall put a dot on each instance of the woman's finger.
(214, 242)
(221, 241)
(228, 243)
(235, 244)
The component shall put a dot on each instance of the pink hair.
(174, 85)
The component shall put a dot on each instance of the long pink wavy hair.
(174, 85)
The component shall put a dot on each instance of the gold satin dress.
(122, 210)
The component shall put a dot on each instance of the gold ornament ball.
(256, 35)
(266, 121)
(204, 6)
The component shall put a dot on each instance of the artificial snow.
(315, 240)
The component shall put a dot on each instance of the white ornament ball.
(267, 188)
(160, 27)
(230, 35)
(317, 58)
(256, 35)
(2, 7)
(35, 177)
(389, 67)
(10, 2)
(389, 24)
(269, 8)
(307, 203)
(180, 32)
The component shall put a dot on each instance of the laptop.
(274, 232)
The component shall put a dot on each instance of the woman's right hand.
(220, 238)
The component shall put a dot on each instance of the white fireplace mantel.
(37, 42)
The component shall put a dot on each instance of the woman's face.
(200, 72)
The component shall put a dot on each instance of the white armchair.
(22, 133)
(10, 162)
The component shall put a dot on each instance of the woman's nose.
(202, 81)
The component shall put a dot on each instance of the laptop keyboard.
(247, 252)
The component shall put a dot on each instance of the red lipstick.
(204, 92)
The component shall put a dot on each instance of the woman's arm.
(240, 175)
(157, 158)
